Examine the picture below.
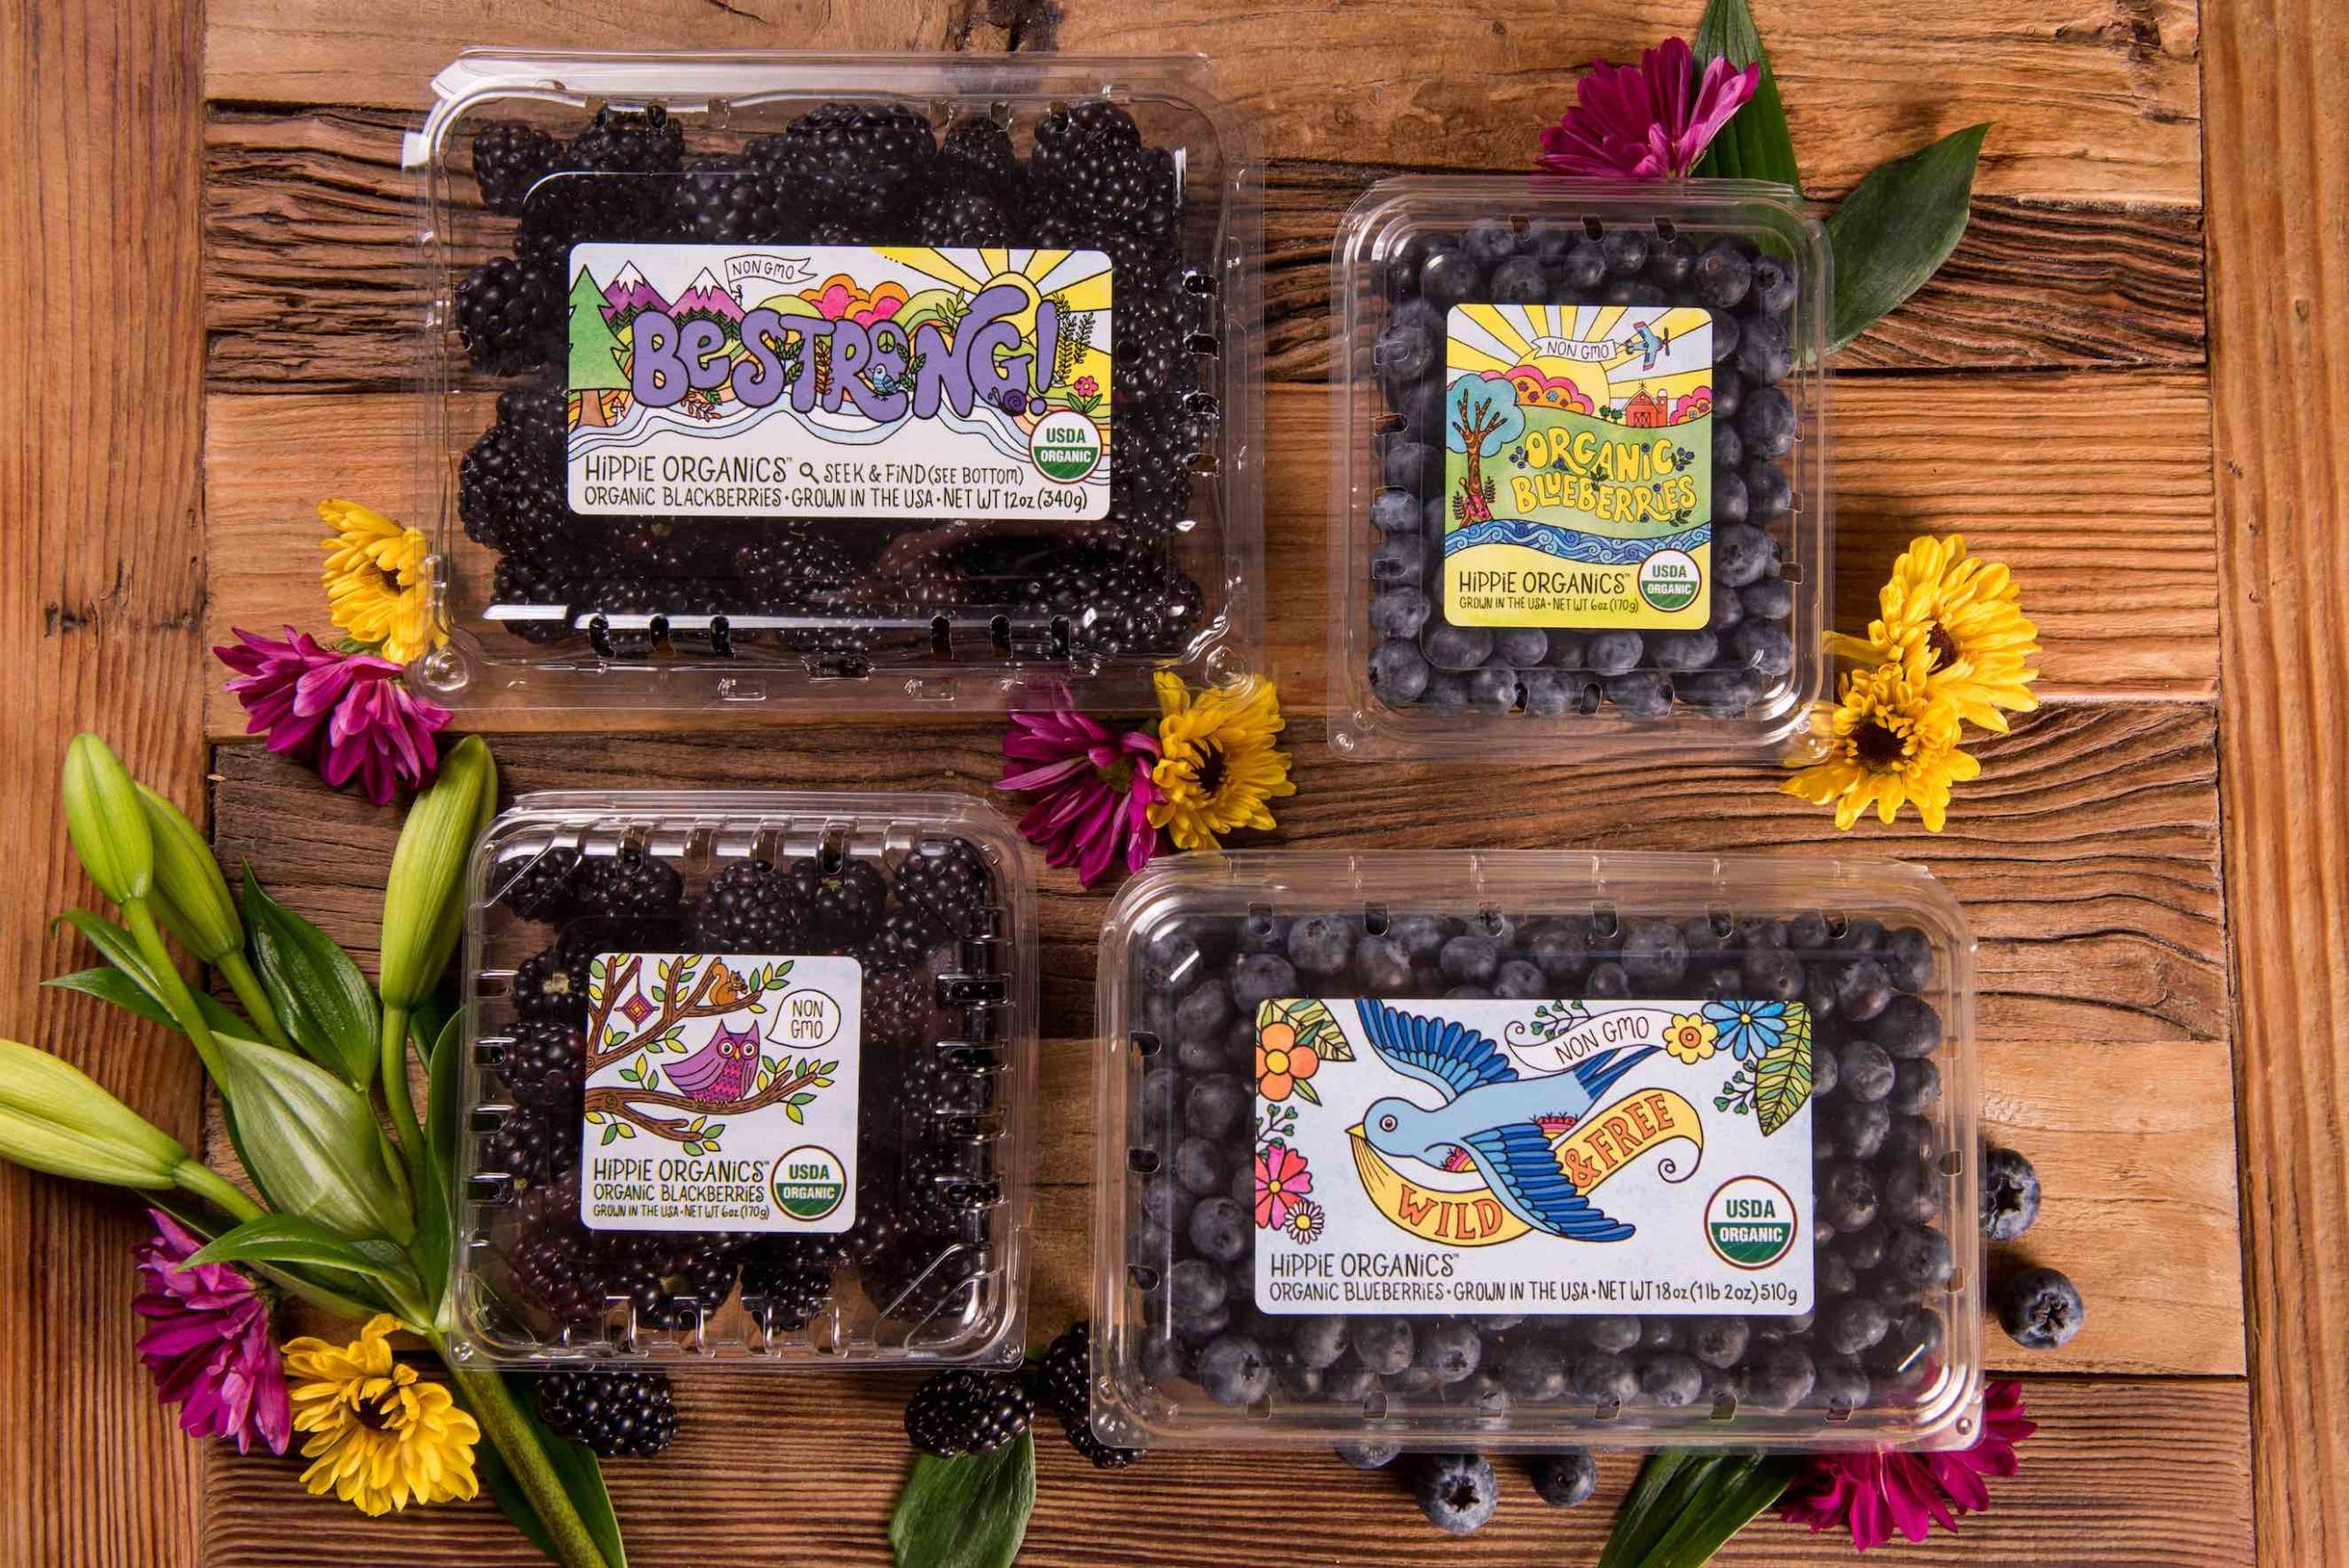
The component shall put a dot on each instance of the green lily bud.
(38, 1088)
(424, 895)
(108, 824)
(191, 896)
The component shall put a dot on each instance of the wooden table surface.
(2130, 383)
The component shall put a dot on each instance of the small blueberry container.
(1531, 1149)
(1581, 491)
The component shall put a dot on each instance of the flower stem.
(405, 1130)
(176, 995)
(248, 987)
(491, 1403)
(210, 1186)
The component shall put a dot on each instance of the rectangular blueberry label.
(839, 380)
(1578, 455)
(1500, 1157)
(722, 1093)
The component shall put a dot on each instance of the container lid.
(780, 379)
(1531, 1148)
(1581, 481)
(746, 1078)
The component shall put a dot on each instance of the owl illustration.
(722, 1071)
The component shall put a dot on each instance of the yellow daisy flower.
(1963, 614)
(1692, 1038)
(1220, 764)
(374, 579)
(1893, 739)
(380, 1437)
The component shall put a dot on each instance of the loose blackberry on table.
(620, 1415)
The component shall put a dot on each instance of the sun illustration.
(1521, 342)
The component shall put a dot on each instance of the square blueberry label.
(1488, 1157)
(1578, 454)
(722, 1093)
(839, 380)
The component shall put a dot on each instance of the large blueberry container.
(745, 1078)
(1453, 1149)
(1581, 479)
(766, 381)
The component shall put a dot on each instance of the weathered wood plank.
(310, 225)
(2277, 75)
(2101, 101)
(2142, 1475)
(2096, 491)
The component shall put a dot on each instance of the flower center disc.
(1877, 746)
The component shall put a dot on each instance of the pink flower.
(1878, 1492)
(208, 1344)
(1084, 386)
(1092, 791)
(1282, 1182)
(349, 714)
(1649, 121)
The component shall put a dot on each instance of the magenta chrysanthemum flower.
(1878, 1493)
(1649, 121)
(1092, 791)
(350, 714)
(208, 1344)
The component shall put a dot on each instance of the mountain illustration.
(706, 296)
(629, 293)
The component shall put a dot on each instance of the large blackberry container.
(768, 381)
(745, 1078)
(1459, 1150)
(1581, 485)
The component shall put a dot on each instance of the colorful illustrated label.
(839, 380)
(1578, 462)
(722, 1093)
(1489, 1157)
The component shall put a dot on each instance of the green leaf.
(113, 986)
(1685, 1506)
(115, 946)
(1756, 144)
(970, 1512)
(793, 1112)
(435, 1221)
(574, 1464)
(288, 1238)
(1897, 227)
(1782, 1078)
(1311, 1020)
(312, 1142)
(321, 998)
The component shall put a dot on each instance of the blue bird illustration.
(1494, 1120)
(1648, 344)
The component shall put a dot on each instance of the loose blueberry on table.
(839, 174)
(1745, 651)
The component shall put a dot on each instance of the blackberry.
(629, 885)
(1114, 602)
(505, 506)
(553, 984)
(963, 217)
(842, 904)
(619, 1415)
(520, 581)
(538, 887)
(750, 908)
(1155, 355)
(963, 1411)
(536, 1142)
(545, 1063)
(904, 939)
(722, 202)
(508, 159)
(551, 1264)
(857, 163)
(793, 569)
(629, 141)
(1090, 166)
(1062, 1382)
(949, 880)
(672, 1281)
(901, 1008)
(976, 155)
(505, 317)
(780, 1288)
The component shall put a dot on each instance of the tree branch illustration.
(618, 1100)
(695, 1004)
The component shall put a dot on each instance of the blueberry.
(1567, 649)
(1908, 1347)
(1492, 689)
(1550, 239)
(1520, 280)
(1727, 335)
(1215, 1107)
(1721, 693)
(1422, 406)
(1916, 1086)
(1490, 240)
(1346, 1381)
(1603, 1378)
(1773, 287)
(1400, 267)
(1260, 930)
(1613, 652)
(1195, 1286)
(1398, 671)
(1728, 449)
(1562, 951)
(1768, 492)
(1723, 275)
(1908, 957)
(1683, 650)
(1839, 1385)
(1910, 1137)
(1319, 1342)
(1382, 1344)
(1470, 959)
(1918, 1258)
(1853, 1324)
(1608, 983)
(1451, 1349)
(1772, 974)
(1779, 1376)
(1458, 648)
(1200, 1167)
(1521, 647)
(1449, 277)
(1565, 1480)
(1767, 423)
(1234, 1370)
(1641, 694)
(1422, 935)
(1671, 1380)
(1730, 503)
(1382, 964)
(1399, 562)
(1907, 1027)
(1166, 1359)
(2010, 1195)
(1520, 980)
(1220, 1229)
(1550, 694)
(1257, 977)
(1612, 1333)
(1757, 934)
(1911, 1191)
(1729, 393)
(1847, 1197)
(1583, 266)
(1772, 598)
(1625, 251)
(1406, 350)
(1456, 1491)
(1864, 1070)
(1833, 1275)
(1396, 512)
(1655, 954)
(1446, 692)
(1768, 650)
(1534, 1370)
(1741, 554)
(1763, 354)
(1160, 1087)
(2041, 1309)
(1716, 1342)
(1204, 1011)
(1415, 466)
(1369, 1456)
(1856, 1127)
(1321, 944)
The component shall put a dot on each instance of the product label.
(1578, 463)
(842, 381)
(722, 1093)
(1490, 1157)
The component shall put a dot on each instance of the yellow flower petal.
(1892, 739)
(381, 1437)
(377, 582)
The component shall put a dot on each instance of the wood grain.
(2276, 76)
(2096, 492)
(311, 229)
(2095, 102)
(2121, 1474)
(100, 597)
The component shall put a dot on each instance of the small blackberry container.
(1453, 1149)
(747, 1079)
(903, 381)
(1581, 486)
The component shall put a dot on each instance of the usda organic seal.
(1750, 1222)
(1669, 579)
(1065, 447)
(809, 1183)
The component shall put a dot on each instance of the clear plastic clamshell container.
(1581, 483)
(1530, 1148)
(747, 1078)
(882, 380)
